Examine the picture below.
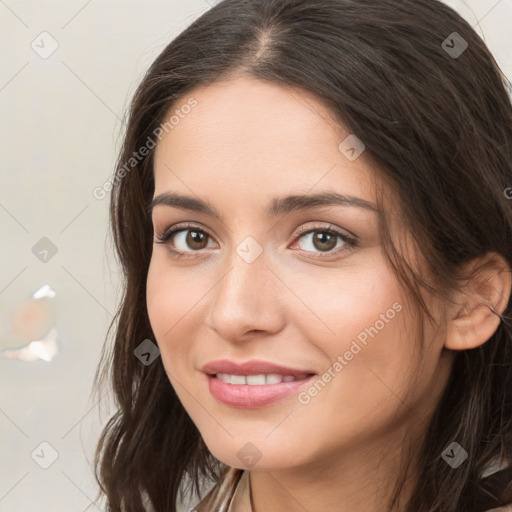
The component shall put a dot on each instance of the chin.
(255, 453)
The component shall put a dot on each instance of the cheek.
(158, 296)
(170, 296)
(362, 326)
(349, 303)
(167, 306)
(175, 301)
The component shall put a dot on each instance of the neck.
(354, 480)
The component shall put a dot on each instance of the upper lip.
(252, 367)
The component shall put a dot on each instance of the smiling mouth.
(259, 379)
(254, 383)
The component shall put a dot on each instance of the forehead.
(252, 138)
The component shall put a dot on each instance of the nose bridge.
(243, 299)
(245, 283)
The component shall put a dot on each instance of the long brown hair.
(433, 112)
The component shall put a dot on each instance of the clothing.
(233, 494)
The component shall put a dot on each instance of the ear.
(474, 317)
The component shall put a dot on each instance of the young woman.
(312, 210)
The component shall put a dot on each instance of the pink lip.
(247, 396)
(253, 367)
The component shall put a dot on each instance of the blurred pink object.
(33, 335)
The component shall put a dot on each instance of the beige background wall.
(60, 118)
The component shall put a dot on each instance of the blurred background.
(68, 70)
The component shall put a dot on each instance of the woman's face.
(264, 290)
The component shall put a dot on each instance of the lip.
(247, 396)
(252, 367)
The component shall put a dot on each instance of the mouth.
(253, 384)
(259, 379)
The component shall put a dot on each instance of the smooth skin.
(298, 304)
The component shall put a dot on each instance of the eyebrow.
(277, 206)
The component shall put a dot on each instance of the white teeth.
(238, 379)
(255, 380)
(274, 378)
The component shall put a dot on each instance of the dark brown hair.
(439, 128)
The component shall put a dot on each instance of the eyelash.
(350, 243)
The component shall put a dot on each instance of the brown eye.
(324, 240)
(195, 239)
(186, 239)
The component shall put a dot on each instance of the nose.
(246, 301)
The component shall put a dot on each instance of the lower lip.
(246, 396)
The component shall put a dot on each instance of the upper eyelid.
(179, 226)
(342, 233)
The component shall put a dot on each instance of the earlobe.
(475, 316)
